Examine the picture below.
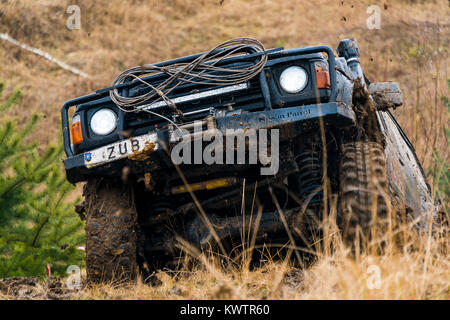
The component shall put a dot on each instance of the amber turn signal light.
(77, 135)
(322, 79)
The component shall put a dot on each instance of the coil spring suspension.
(310, 175)
(161, 209)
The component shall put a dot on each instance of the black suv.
(314, 123)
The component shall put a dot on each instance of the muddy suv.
(154, 150)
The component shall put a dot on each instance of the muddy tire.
(363, 190)
(110, 232)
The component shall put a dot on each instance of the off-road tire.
(363, 189)
(111, 238)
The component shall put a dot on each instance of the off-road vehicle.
(328, 131)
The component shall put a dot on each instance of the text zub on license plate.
(119, 150)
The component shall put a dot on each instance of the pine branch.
(33, 243)
(33, 220)
(17, 94)
(11, 188)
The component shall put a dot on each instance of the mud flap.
(386, 95)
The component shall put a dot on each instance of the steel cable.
(202, 70)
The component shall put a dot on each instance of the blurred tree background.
(37, 222)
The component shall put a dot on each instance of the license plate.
(119, 150)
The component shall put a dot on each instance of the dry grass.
(411, 48)
(413, 265)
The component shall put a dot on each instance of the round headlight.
(103, 122)
(293, 79)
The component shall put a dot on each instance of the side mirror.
(386, 95)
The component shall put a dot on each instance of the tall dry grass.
(400, 259)
(411, 265)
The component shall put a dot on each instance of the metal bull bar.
(272, 53)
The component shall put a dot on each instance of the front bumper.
(111, 159)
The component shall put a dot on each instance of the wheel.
(363, 189)
(111, 238)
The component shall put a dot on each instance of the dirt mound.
(23, 288)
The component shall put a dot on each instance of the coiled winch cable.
(202, 70)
